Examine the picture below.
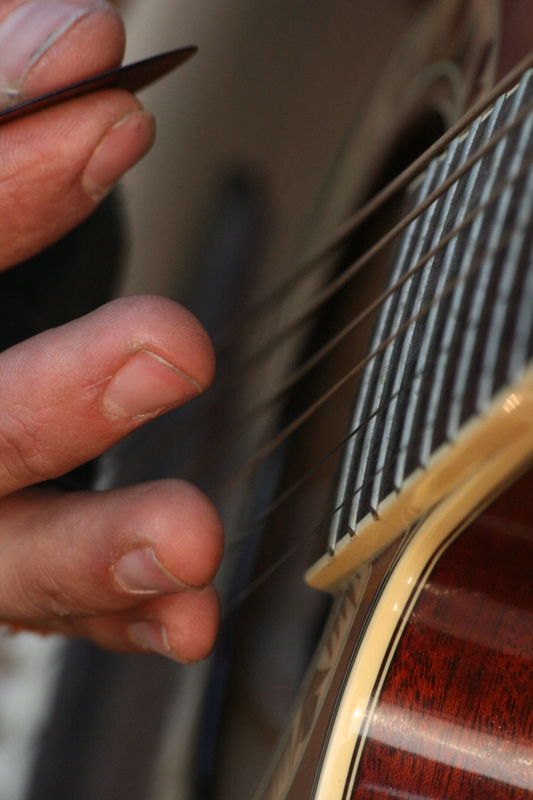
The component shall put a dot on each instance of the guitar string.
(238, 600)
(262, 517)
(412, 320)
(226, 383)
(298, 374)
(268, 447)
(234, 603)
(401, 181)
(218, 391)
(266, 512)
(274, 505)
(338, 283)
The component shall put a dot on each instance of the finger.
(55, 166)
(70, 556)
(45, 45)
(70, 393)
(180, 626)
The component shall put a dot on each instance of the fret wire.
(270, 570)
(265, 450)
(349, 226)
(235, 603)
(512, 229)
(262, 516)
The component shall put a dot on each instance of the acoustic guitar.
(371, 429)
(421, 684)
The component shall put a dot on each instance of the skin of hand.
(131, 569)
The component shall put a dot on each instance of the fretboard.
(461, 326)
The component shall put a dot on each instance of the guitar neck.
(449, 365)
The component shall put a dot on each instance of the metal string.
(299, 373)
(266, 449)
(235, 602)
(346, 229)
(228, 380)
(339, 282)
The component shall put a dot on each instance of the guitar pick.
(132, 78)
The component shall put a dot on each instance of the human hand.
(129, 569)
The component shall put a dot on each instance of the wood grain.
(455, 718)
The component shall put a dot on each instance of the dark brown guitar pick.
(132, 77)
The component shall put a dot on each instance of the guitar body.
(426, 689)
(415, 680)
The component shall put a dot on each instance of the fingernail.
(152, 636)
(122, 146)
(25, 35)
(140, 571)
(145, 385)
